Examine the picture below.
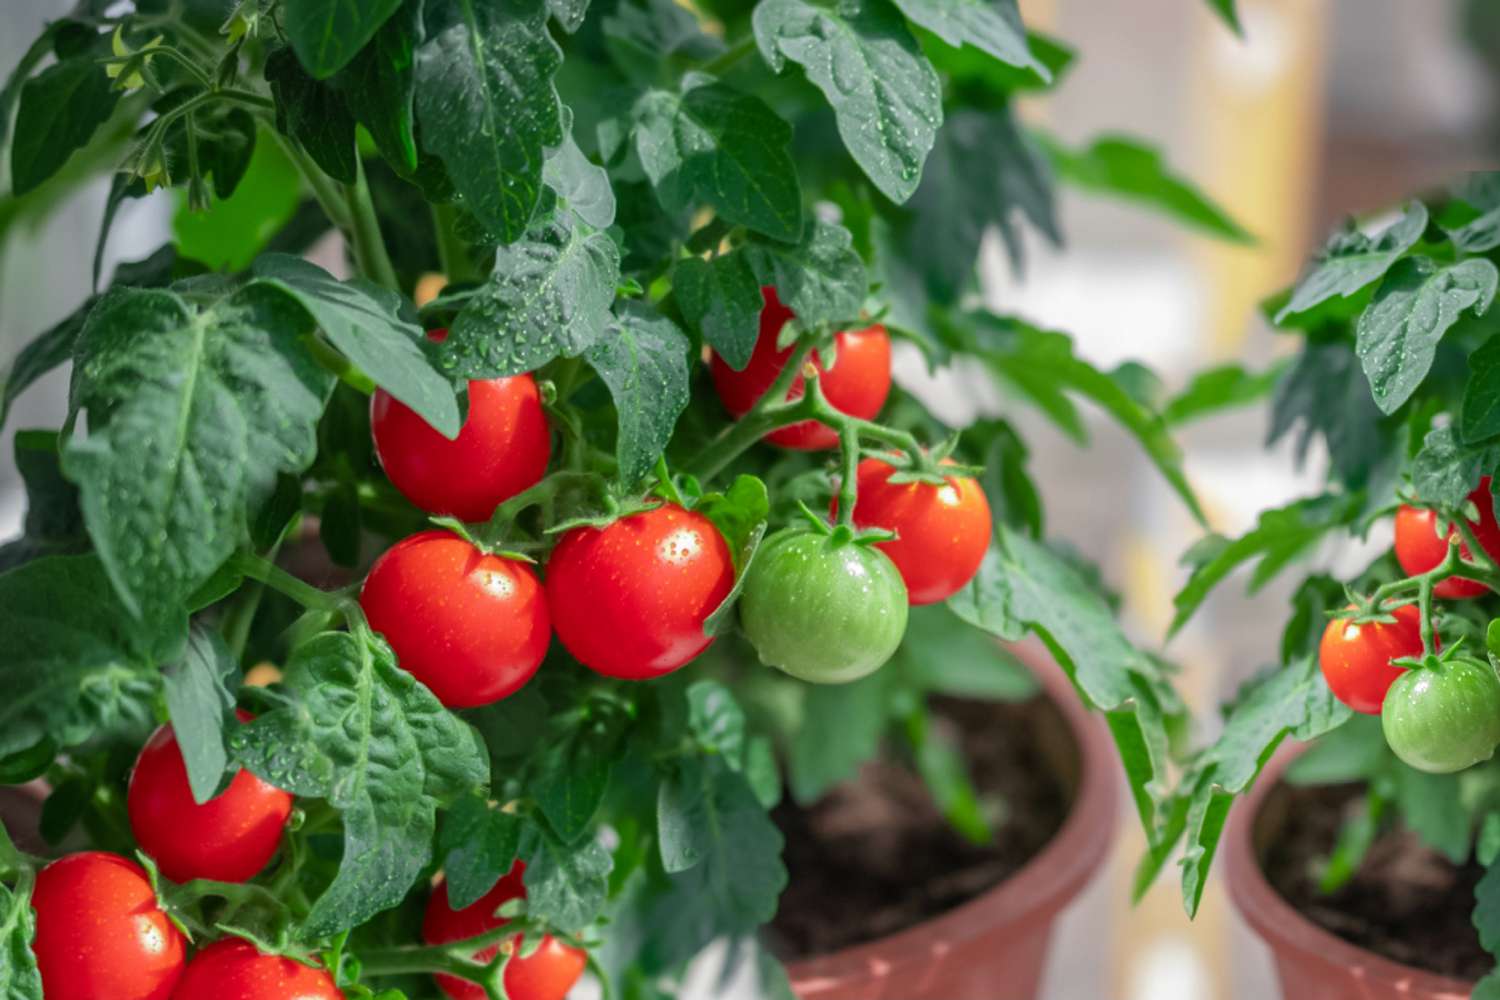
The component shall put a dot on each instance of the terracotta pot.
(994, 946)
(1311, 963)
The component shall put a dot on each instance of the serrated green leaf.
(722, 299)
(549, 295)
(478, 845)
(582, 186)
(717, 721)
(53, 523)
(975, 78)
(1481, 192)
(713, 145)
(379, 85)
(841, 728)
(1445, 471)
(327, 34)
(364, 322)
(1128, 168)
(1416, 304)
(60, 109)
(77, 664)
(885, 95)
(200, 688)
(1325, 394)
(1432, 807)
(643, 360)
(1217, 389)
(315, 114)
(566, 886)
(487, 105)
(1350, 261)
(992, 26)
(568, 13)
(742, 515)
(943, 654)
(940, 764)
(575, 771)
(19, 977)
(1280, 535)
(355, 729)
(651, 40)
(50, 349)
(192, 414)
(1479, 414)
(820, 278)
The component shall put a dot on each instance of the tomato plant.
(1384, 313)
(457, 557)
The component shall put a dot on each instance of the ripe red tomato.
(472, 627)
(1356, 659)
(228, 838)
(942, 531)
(857, 384)
(1419, 549)
(234, 969)
(502, 449)
(100, 934)
(546, 974)
(629, 600)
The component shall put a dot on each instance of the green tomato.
(1443, 717)
(823, 607)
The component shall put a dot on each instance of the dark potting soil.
(875, 856)
(1406, 902)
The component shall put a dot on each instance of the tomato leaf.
(1325, 394)
(727, 853)
(53, 523)
(566, 885)
(581, 185)
(1129, 169)
(1350, 261)
(712, 144)
(568, 13)
(1228, 10)
(191, 416)
(820, 278)
(1487, 909)
(1479, 414)
(1481, 192)
(19, 977)
(199, 689)
(1217, 389)
(1432, 806)
(994, 28)
(1024, 585)
(721, 298)
(379, 85)
(643, 360)
(1446, 471)
(355, 729)
(717, 721)
(77, 664)
(364, 322)
(884, 93)
(841, 727)
(478, 845)
(574, 772)
(549, 295)
(651, 41)
(328, 33)
(742, 515)
(1416, 304)
(59, 110)
(315, 114)
(943, 654)
(487, 106)
(1280, 535)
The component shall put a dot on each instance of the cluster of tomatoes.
(1445, 715)
(630, 599)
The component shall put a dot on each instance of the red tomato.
(472, 627)
(100, 934)
(502, 449)
(1356, 659)
(546, 974)
(234, 969)
(1419, 549)
(228, 838)
(942, 531)
(857, 384)
(629, 600)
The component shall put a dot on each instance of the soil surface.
(1406, 902)
(875, 856)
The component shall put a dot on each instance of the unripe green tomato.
(823, 608)
(1443, 717)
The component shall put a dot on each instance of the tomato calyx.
(180, 902)
(840, 534)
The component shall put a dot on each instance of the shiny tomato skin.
(234, 969)
(100, 934)
(629, 600)
(502, 448)
(546, 974)
(229, 838)
(1356, 658)
(1419, 549)
(942, 532)
(1443, 717)
(470, 626)
(857, 384)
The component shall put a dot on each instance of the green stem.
(771, 412)
(340, 366)
(279, 580)
(364, 233)
(324, 188)
(453, 252)
(726, 60)
(452, 959)
(848, 484)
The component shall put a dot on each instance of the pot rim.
(1282, 927)
(1033, 894)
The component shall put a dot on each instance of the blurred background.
(1324, 108)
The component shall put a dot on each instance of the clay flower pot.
(995, 945)
(1311, 963)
